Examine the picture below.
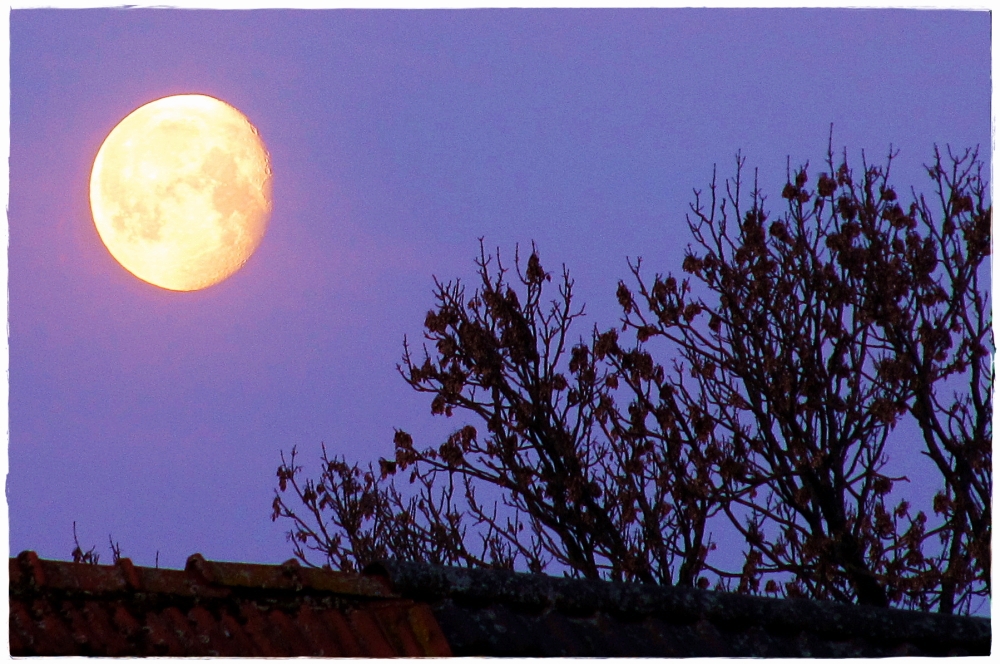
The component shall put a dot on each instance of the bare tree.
(789, 354)
(353, 517)
(939, 327)
(578, 489)
(822, 329)
(90, 556)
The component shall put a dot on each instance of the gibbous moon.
(181, 191)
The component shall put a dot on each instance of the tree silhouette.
(575, 491)
(759, 392)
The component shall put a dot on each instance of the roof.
(501, 613)
(211, 609)
(412, 609)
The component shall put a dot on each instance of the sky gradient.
(397, 139)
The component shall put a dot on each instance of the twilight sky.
(397, 139)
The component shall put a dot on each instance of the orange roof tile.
(211, 609)
(416, 609)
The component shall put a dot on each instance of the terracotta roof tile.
(104, 637)
(366, 628)
(426, 631)
(395, 621)
(214, 609)
(52, 634)
(210, 609)
(23, 632)
(236, 638)
(341, 631)
(210, 631)
(160, 635)
(125, 623)
(316, 634)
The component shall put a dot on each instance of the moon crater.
(181, 191)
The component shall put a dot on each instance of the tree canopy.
(758, 392)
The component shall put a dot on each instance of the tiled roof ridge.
(211, 609)
(405, 608)
(199, 577)
(527, 594)
(680, 605)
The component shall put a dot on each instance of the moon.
(180, 191)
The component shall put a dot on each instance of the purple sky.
(397, 139)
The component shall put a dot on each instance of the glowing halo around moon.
(181, 191)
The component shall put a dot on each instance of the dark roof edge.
(29, 573)
(679, 604)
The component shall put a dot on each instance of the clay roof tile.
(210, 609)
(411, 609)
